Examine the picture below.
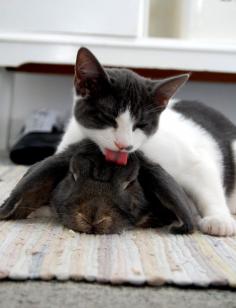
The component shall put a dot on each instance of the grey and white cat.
(121, 111)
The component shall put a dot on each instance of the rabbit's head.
(99, 197)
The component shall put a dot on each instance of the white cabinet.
(90, 17)
(209, 19)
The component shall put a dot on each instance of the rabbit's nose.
(95, 225)
(102, 225)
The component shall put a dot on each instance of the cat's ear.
(168, 88)
(90, 76)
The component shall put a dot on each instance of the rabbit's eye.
(72, 173)
(127, 184)
(74, 176)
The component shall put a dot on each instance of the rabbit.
(97, 196)
(92, 195)
(100, 197)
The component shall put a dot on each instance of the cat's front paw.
(218, 225)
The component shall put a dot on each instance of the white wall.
(39, 91)
(34, 91)
(6, 83)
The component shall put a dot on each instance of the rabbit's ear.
(156, 182)
(35, 187)
(123, 175)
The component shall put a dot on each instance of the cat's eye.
(141, 125)
(107, 120)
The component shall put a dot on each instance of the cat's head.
(116, 108)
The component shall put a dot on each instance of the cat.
(122, 111)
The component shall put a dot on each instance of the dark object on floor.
(38, 138)
(34, 147)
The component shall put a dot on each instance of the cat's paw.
(218, 225)
(232, 208)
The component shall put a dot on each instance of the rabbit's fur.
(92, 195)
(97, 196)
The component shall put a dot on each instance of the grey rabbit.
(92, 195)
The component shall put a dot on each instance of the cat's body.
(197, 158)
(192, 142)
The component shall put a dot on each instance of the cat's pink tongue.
(120, 158)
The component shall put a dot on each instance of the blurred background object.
(193, 19)
(156, 38)
(38, 137)
(164, 18)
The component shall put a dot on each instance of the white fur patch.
(73, 134)
(125, 134)
(124, 131)
(179, 145)
(194, 159)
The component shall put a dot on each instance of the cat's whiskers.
(152, 108)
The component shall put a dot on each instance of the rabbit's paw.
(218, 225)
(8, 207)
(43, 211)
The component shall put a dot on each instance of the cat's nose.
(123, 147)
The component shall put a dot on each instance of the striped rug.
(43, 249)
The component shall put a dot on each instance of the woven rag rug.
(44, 249)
